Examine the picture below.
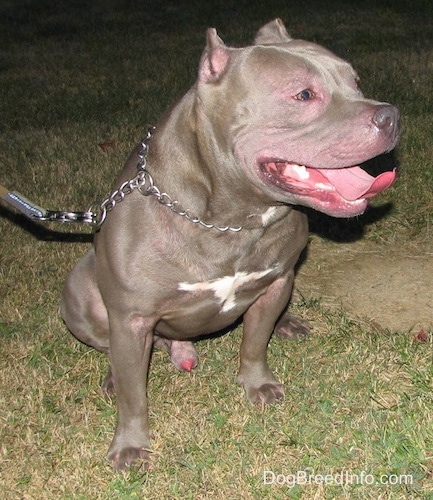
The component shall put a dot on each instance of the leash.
(95, 215)
(35, 212)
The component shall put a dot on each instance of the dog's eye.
(305, 95)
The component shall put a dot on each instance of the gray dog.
(265, 128)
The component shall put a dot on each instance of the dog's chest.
(230, 291)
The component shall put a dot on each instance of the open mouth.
(326, 185)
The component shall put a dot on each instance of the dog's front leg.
(258, 324)
(130, 348)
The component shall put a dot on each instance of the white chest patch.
(224, 288)
(268, 215)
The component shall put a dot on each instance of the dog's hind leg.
(81, 305)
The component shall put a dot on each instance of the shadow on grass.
(352, 229)
(345, 230)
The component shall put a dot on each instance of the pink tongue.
(354, 183)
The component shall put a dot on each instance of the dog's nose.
(386, 119)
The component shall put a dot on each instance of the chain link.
(97, 212)
(143, 181)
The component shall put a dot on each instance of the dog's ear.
(214, 59)
(271, 33)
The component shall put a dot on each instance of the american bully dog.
(265, 128)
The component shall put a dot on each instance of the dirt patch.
(391, 288)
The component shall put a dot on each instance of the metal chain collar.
(144, 182)
(97, 212)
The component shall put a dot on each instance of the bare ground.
(389, 287)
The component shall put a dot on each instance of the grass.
(76, 74)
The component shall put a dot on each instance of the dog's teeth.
(301, 172)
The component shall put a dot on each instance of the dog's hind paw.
(107, 385)
(292, 327)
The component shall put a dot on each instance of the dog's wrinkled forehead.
(306, 57)
(275, 45)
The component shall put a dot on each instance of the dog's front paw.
(130, 458)
(265, 394)
(292, 327)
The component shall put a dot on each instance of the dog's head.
(291, 114)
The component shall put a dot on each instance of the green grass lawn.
(75, 74)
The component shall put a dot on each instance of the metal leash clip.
(63, 216)
(34, 212)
